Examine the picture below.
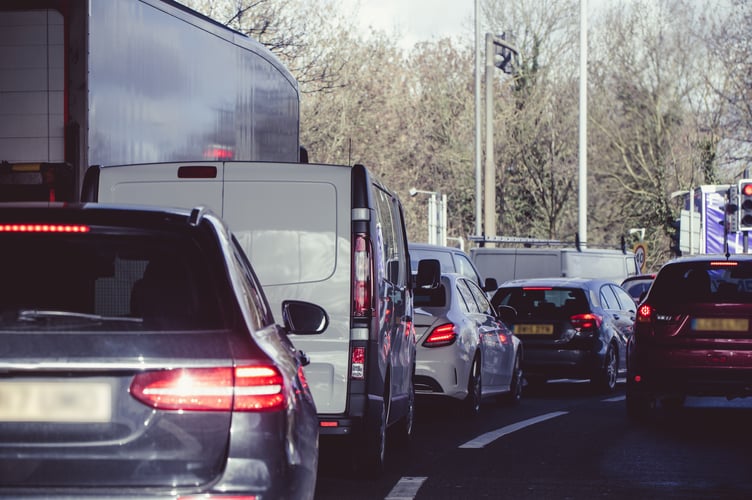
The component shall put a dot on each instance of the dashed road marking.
(406, 488)
(489, 437)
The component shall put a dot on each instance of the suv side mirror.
(429, 273)
(303, 317)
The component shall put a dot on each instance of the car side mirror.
(490, 285)
(429, 273)
(507, 314)
(304, 318)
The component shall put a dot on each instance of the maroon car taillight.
(442, 335)
(243, 388)
(644, 313)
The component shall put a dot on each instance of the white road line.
(490, 437)
(615, 399)
(406, 488)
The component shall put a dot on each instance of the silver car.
(140, 359)
(465, 350)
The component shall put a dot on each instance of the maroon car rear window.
(703, 281)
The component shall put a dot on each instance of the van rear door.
(183, 185)
(294, 223)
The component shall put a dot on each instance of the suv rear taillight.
(441, 336)
(243, 388)
(588, 321)
(362, 269)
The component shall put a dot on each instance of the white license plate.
(22, 401)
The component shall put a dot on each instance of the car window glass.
(626, 303)
(465, 267)
(481, 300)
(444, 258)
(151, 281)
(536, 301)
(387, 235)
(257, 304)
(467, 295)
(461, 299)
(608, 299)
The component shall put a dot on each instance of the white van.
(506, 264)
(328, 233)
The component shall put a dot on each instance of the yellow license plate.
(720, 324)
(534, 329)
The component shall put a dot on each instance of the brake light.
(537, 288)
(358, 363)
(586, 321)
(644, 313)
(441, 336)
(44, 228)
(197, 172)
(361, 279)
(243, 388)
(723, 263)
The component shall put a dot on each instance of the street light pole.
(478, 181)
(437, 216)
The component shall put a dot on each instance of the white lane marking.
(490, 437)
(615, 399)
(406, 488)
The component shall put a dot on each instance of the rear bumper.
(691, 372)
(560, 363)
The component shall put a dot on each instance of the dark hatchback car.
(693, 334)
(139, 359)
(571, 328)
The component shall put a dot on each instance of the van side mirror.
(507, 314)
(490, 285)
(303, 318)
(429, 273)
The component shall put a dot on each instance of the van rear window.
(288, 229)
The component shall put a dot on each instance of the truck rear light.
(362, 270)
(243, 388)
(358, 363)
(441, 336)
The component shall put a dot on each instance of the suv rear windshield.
(96, 281)
(543, 301)
(706, 281)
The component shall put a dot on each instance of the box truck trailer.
(131, 81)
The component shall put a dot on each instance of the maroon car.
(693, 334)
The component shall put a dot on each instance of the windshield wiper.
(34, 314)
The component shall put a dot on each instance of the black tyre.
(605, 379)
(472, 401)
(515, 387)
(403, 430)
(371, 454)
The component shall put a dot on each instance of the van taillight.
(361, 280)
(243, 388)
(358, 363)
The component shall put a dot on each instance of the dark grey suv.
(140, 358)
(571, 327)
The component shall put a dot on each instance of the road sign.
(641, 255)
